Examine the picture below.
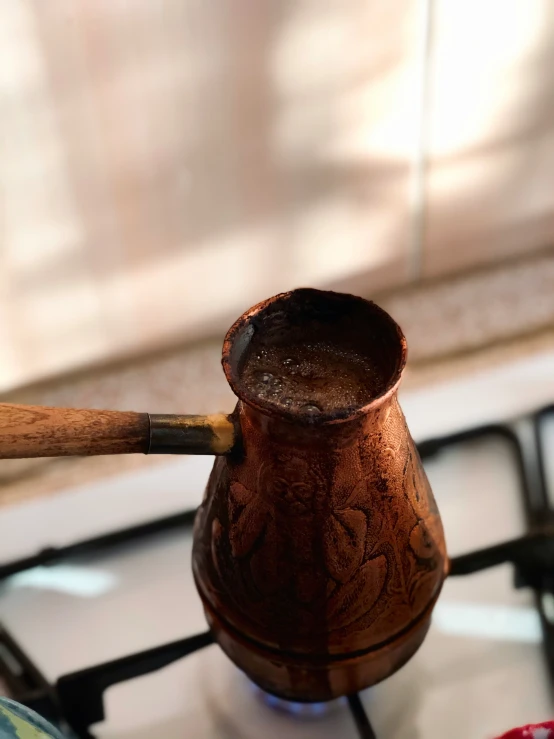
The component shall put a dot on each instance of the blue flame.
(292, 708)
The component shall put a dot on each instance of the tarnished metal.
(189, 434)
(319, 551)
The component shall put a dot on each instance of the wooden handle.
(35, 431)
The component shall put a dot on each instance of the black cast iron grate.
(75, 702)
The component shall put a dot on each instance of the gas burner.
(292, 708)
(75, 700)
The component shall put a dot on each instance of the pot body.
(319, 551)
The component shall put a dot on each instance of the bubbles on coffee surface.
(311, 378)
(311, 408)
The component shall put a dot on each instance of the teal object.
(19, 722)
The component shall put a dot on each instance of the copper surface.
(319, 550)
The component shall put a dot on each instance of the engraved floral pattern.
(338, 548)
(344, 543)
(255, 532)
(259, 518)
(358, 597)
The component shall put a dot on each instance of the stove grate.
(365, 730)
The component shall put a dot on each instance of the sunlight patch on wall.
(479, 60)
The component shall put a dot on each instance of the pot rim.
(338, 416)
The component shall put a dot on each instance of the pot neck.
(304, 434)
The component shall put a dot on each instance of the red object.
(531, 731)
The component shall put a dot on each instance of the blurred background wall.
(164, 164)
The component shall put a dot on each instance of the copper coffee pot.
(318, 548)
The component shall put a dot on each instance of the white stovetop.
(479, 672)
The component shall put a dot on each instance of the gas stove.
(102, 630)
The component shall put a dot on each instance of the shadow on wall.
(166, 168)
